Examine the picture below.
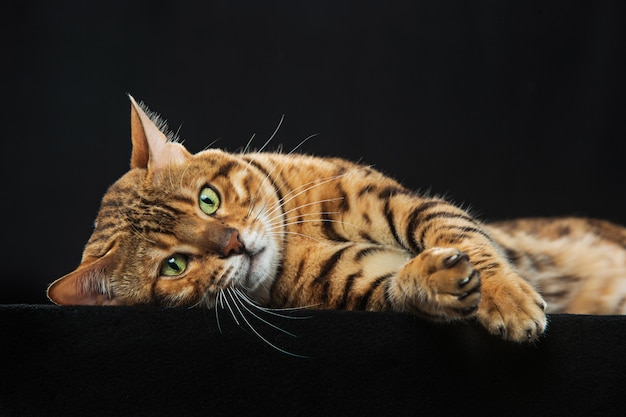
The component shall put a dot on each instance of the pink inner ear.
(85, 286)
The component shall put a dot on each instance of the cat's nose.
(233, 245)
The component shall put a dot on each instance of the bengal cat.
(289, 230)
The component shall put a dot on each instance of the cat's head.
(177, 228)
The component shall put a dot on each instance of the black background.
(509, 108)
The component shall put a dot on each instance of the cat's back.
(578, 264)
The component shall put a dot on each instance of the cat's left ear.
(87, 285)
(151, 148)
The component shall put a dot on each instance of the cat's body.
(297, 230)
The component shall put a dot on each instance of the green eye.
(209, 200)
(174, 265)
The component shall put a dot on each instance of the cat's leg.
(376, 209)
(443, 284)
(439, 283)
(509, 306)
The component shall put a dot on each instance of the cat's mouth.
(253, 260)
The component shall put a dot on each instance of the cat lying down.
(290, 230)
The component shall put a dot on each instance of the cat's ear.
(87, 285)
(151, 148)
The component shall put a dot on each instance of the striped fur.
(298, 230)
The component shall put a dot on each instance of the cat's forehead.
(201, 167)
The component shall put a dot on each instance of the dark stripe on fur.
(370, 188)
(446, 215)
(225, 169)
(261, 168)
(347, 290)
(328, 225)
(390, 222)
(414, 219)
(328, 266)
(388, 192)
(364, 301)
(366, 252)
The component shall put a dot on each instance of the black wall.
(510, 108)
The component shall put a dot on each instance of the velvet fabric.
(122, 361)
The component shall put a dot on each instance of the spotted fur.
(296, 230)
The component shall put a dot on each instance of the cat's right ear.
(151, 148)
(87, 285)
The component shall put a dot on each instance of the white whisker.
(231, 310)
(217, 316)
(328, 200)
(309, 186)
(296, 234)
(273, 311)
(278, 222)
(268, 176)
(302, 142)
(273, 134)
(241, 302)
(246, 149)
(251, 327)
(313, 221)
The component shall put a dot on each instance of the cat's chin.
(260, 263)
(260, 274)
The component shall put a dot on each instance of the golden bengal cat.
(290, 230)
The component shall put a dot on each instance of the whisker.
(279, 150)
(241, 302)
(313, 221)
(231, 310)
(211, 144)
(217, 316)
(246, 149)
(249, 325)
(296, 234)
(268, 176)
(273, 134)
(253, 201)
(309, 186)
(302, 142)
(278, 222)
(273, 311)
(315, 183)
(307, 205)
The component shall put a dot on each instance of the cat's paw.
(442, 282)
(512, 309)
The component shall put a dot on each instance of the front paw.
(512, 309)
(443, 283)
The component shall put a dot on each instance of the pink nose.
(233, 245)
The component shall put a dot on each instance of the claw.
(467, 311)
(467, 279)
(454, 259)
(502, 331)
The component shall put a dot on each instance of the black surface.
(113, 361)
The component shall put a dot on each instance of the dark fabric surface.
(117, 361)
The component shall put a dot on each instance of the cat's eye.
(209, 200)
(174, 265)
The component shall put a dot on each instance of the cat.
(291, 230)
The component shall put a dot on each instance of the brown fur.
(297, 230)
